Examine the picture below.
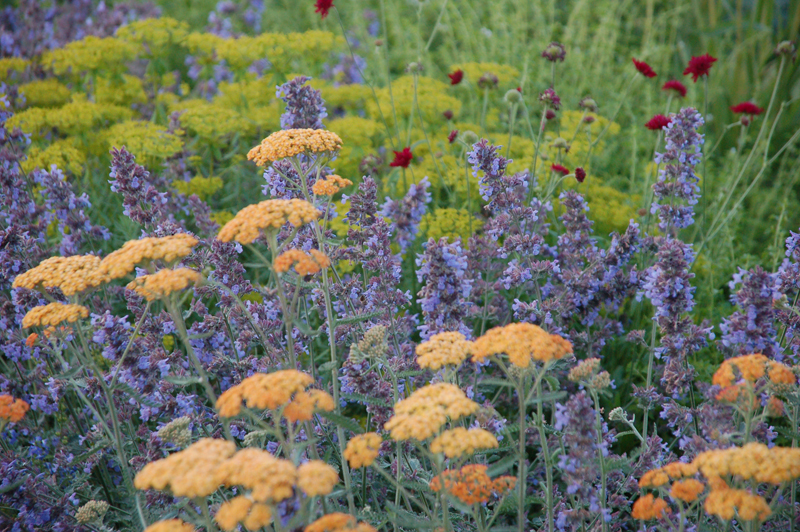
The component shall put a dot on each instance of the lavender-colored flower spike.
(445, 297)
(752, 329)
(788, 283)
(407, 213)
(305, 108)
(141, 201)
(676, 191)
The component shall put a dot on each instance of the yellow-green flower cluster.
(44, 93)
(452, 223)
(431, 99)
(78, 116)
(203, 187)
(119, 90)
(147, 141)
(155, 35)
(90, 54)
(212, 122)
(63, 153)
(12, 66)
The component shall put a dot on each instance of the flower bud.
(555, 51)
(513, 96)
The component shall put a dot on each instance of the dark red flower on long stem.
(557, 168)
(747, 108)
(675, 86)
(323, 6)
(456, 77)
(402, 158)
(580, 174)
(452, 136)
(644, 68)
(699, 66)
(658, 122)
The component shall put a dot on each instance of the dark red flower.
(676, 86)
(402, 158)
(747, 108)
(456, 77)
(644, 68)
(452, 136)
(699, 66)
(323, 6)
(563, 170)
(448, 114)
(519, 90)
(657, 122)
(549, 114)
(580, 174)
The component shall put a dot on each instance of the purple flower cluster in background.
(407, 212)
(305, 108)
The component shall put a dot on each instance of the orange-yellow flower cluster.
(522, 342)
(425, 411)
(53, 314)
(724, 503)
(338, 522)
(168, 249)
(170, 525)
(245, 227)
(315, 478)
(687, 490)
(443, 349)
(304, 263)
(649, 507)
(69, 274)
(12, 410)
(291, 142)
(188, 473)
(660, 476)
(330, 185)
(471, 484)
(240, 509)
(263, 390)
(164, 282)
(750, 368)
(362, 450)
(774, 465)
(304, 404)
(460, 441)
(269, 479)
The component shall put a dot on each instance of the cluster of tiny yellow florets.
(304, 263)
(338, 522)
(164, 282)
(725, 502)
(170, 525)
(471, 484)
(53, 314)
(362, 450)
(649, 507)
(69, 274)
(304, 404)
(330, 185)
(522, 342)
(168, 249)
(315, 477)
(12, 410)
(270, 214)
(460, 441)
(442, 349)
(756, 461)
(750, 368)
(425, 411)
(241, 509)
(291, 142)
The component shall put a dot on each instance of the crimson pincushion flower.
(402, 158)
(580, 174)
(699, 66)
(657, 123)
(675, 86)
(456, 77)
(452, 136)
(563, 170)
(645, 69)
(322, 7)
(747, 108)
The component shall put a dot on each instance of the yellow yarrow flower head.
(170, 525)
(648, 507)
(291, 142)
(522, 342)
(316, 478)
(167, 249)
(725, 503)
(460, 441)
(188, 473)
(241, 509)
(263, 390)
(270, 214)
(305, 404)
(330, 185)
(69, 274)
(362, 450)
(338, 522)
(54, 314)
(425, 411)
(687, 490)
(164, 282)
(12, 410)
(304, 263)
(774, 465)
(269, 479)
(447, 348)
(471, 484)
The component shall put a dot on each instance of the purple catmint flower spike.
(305, 108)
(407, 213)
(751, 329)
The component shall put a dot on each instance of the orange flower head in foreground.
(774, 465)
(12, 410)
(330, 185)
(188, 473)
(69, 274)
(164, 282)
(272, 214)
(269, 479)
(168, 249)
(522, 342)
(724, 503)
(316, 478)
(53, 314)
(648, 507)
(362, 450)
(471, 484)
(170, 525)
(291, 142)
(304, 405)
(687, 490)
(447, 348)
(240, 509)
(460, 441)
(338, 522)
(304, 263)
(263, 390)
(425, 411)
(653, 479)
